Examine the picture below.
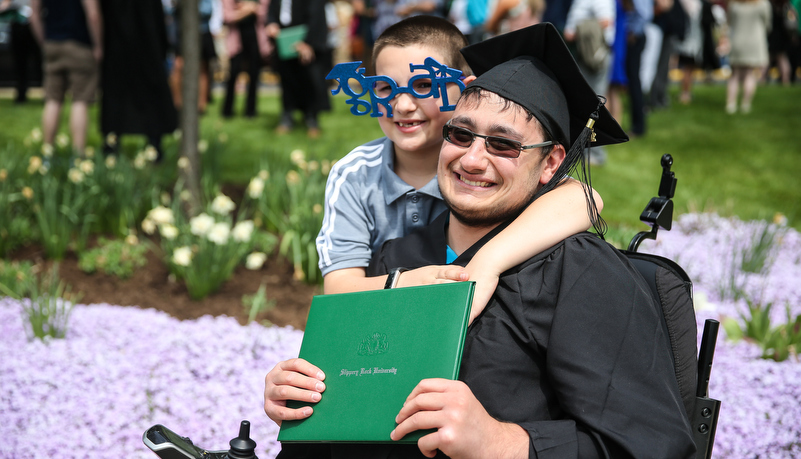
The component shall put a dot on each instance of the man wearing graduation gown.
(569, 358)
(136, 94)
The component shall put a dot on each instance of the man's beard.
(488, 217)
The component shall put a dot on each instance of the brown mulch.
(151, 287)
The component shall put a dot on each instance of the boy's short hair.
(424, 30)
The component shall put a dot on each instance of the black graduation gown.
(136, 98)
(570, 347)
(304, 87)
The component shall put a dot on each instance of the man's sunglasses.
(498, 146)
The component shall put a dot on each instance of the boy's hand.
(464, 429)
(437, 274)
(293, 379)
(486, 281)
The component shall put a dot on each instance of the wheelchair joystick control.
(243, 447)
(169, 445)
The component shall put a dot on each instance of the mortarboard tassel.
(575, 164)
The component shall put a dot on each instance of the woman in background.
(749, 24)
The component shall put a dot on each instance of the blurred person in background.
(793, 16)
(749, 24)
(585, 19)
(618, 81)
(407, 8)
(509, 15)
(247, 46)
(672, 21)
(362, 38)
(70, 33)
(638, 13)
(690, 49)
(24, 49)
(385, 16)
(303, 83)
(779, 40)
(136, 93)
(556, 13)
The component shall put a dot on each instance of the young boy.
(387, 188)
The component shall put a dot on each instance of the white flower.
(140, 161)
(148, 226)
(168, 231)
(75, 176)
(314, 165)
(150, 153)
(47, 150)
(89, 152)
(242, 231)
(222, 205)
(3, 175)
(317, 208)
(255, 260)
(292, 178)
(182, 256)
(27, 192)
(297, 157)
(264, 174)
(34, 164)
(36, 134)
(183, 162)
(111, 139)
(201, 224)
(185, 195)
(219, 233)
(62, 140)
(161, 215)
(165, 198)
(202, 146)
(131, 239)
(255, 187)
(87, 167)
(111, 161)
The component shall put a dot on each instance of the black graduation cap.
(534, 68)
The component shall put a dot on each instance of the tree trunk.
(190, 49)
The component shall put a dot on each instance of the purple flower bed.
(760, 415)
(120, 370)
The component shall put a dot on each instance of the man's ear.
(468, 79)
(552, 162)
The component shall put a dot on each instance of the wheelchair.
(670, 286)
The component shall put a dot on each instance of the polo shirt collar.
(394, 186)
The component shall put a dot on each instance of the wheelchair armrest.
(705, 423)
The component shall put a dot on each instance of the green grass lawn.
(743, 165)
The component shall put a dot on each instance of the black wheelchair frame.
(679, 315)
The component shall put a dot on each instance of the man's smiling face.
(482, 189)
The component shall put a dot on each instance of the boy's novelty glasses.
(498, 146)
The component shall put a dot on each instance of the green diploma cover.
(374, 348)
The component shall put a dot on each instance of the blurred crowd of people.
(131, 51)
